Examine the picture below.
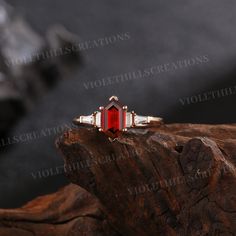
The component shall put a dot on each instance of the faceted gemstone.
(113, 118)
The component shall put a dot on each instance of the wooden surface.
(69, 212)
(176, 179)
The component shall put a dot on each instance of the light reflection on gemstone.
(113, 119)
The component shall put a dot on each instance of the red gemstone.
(113, 118)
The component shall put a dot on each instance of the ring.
(114, 118)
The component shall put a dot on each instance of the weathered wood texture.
(69, 212)
(176, 179)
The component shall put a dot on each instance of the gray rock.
(30, 64)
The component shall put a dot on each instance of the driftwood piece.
(176, 179)
(65, 213)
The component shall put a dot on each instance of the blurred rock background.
(160, 32)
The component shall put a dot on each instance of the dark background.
(161, 32)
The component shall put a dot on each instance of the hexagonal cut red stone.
(113, 118)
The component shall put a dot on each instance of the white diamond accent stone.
(141, 120)
(129, 122)
(98, 119)
(87, 119)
